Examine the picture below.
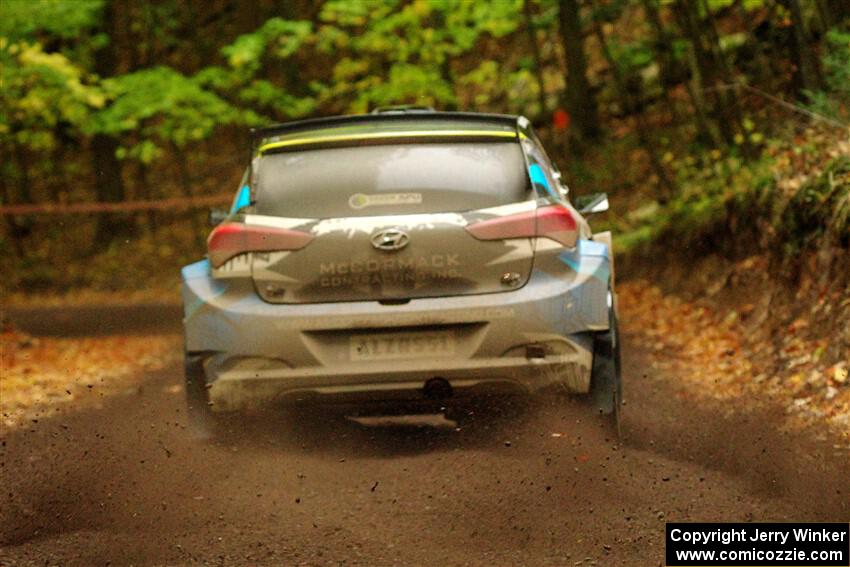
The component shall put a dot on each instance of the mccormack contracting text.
(758, 545)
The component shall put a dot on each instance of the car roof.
(389, 127)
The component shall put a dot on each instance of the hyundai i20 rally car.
(399, 258)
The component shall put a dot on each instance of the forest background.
(720, 125)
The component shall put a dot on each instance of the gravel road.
(533, 484)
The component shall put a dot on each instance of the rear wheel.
(202, 421)
(606, 388)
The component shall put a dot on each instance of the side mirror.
(562, 189)
(593, 203)
(217, 216)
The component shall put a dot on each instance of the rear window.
(390, 179)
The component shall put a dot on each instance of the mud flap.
(605, 379)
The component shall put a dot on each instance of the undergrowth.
(146, 258)
(792, 197)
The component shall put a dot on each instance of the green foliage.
(819, 208)
(342, 56)
(835, 99)
(45, 93)
(265, 94)
(155, 251)
(163, 108)
(252, 57)
(396, 53)
(732, 41)
(490, 85)
(277, 38)
(24, 19)
(633, 56)
(715, 6)
(836, 61)
(730, 201)
(711, 184)
(42, 93)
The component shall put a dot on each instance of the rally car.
(397, 258)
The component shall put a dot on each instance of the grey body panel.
(267, 353)
(391, 288)
(354, 193)
(341, 263)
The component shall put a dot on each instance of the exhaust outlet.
(437, 389)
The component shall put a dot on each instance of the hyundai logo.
(390, 239)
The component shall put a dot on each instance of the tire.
(202, 422)
(606, 387)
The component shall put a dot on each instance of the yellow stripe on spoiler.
(388, 136)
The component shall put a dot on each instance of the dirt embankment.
(751, 323)
(765, 280)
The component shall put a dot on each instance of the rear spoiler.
(260, 134)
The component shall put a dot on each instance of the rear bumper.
(289, 357)
(402, 382)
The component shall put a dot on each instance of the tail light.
(552, 221)
(231, 239)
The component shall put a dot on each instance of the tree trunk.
(704, 66)
(535, 53)
(728, 98)
(760, 64)
(838, 10)
(142, 183)
(186, 185)
(581, 102)
(663, 46)
(824, 14)
(109, 184)
(807, 69)
(665, 186)
(20, 230)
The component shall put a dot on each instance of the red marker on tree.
(561, 119)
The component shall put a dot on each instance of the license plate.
(401, 346)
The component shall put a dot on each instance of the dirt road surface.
(543, 484)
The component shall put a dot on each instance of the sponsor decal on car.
(361, 200)
(390, 270)
(387, 278)
(438, 261)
